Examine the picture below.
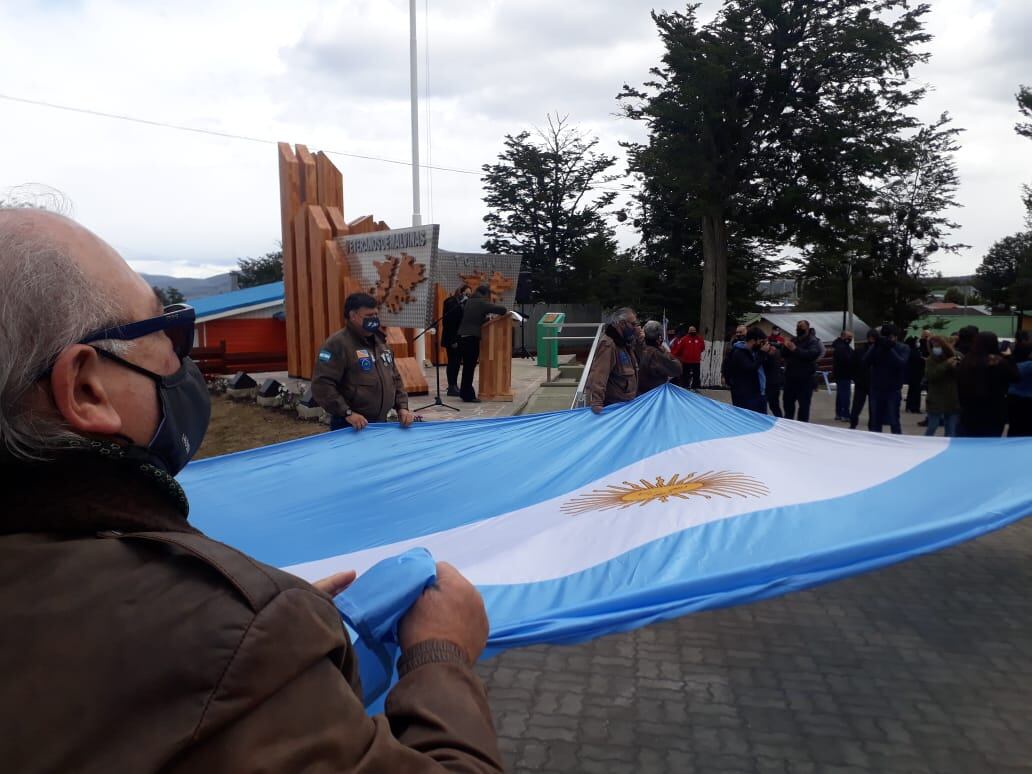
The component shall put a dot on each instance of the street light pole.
(849, 294)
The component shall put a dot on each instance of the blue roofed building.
(250, 320)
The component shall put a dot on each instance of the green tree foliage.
(770, 122)
(169, 295)
(1005, 276)
(957, 296)
(544, 202)
(1024, 97)
(259, 271)
(890, 239)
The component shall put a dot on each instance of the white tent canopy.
(827, 325)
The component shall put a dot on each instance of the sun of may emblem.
(704, 485)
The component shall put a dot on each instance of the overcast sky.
(334, 74)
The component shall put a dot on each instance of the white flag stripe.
(791, 464)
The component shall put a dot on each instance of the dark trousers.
(798, 391)
(454, 364)
(842, 390)
(774, 401)
(885, 405)
(470, 348)
(1019, 414)
(979, 427)
(691, 376)
(914, 397)
(859, 399)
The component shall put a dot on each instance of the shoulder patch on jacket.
(325, 356)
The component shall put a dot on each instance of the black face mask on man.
(630, 335)
(371, 324)
(801, 332)
(185, 412)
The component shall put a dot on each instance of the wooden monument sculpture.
(316, 276)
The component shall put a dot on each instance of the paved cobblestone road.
(923, 667)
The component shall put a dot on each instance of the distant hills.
(192, 287)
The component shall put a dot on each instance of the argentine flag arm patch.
(325, 356)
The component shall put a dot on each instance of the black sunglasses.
(177, 322)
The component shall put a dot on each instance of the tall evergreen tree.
(1024, 97)
(764, 122)
(544, 202)
(1005, 275)
(889, 241)
(259, 271)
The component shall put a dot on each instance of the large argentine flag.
(574, 525)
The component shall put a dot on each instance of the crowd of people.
(968, 383)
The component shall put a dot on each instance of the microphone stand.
(438, 403)
(522, 351)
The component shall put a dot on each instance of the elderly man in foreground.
(132, 642)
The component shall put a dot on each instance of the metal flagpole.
(417, 218)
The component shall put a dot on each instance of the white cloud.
(334, 75)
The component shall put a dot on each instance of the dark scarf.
(90, 486)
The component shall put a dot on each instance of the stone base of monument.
(312, 412)
(248, 393)
(274, 402)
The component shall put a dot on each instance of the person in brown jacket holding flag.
(131, 641)
(613, 377)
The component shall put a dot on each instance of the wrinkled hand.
(406, 418)
(357, 421)
(336, 583)
(450, 610)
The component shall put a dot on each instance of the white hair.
(621, 314)
(653, 329)
(47, 303)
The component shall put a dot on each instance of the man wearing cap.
(356, 379)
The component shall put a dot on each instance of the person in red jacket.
(688, 349)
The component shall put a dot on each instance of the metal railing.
(578, 398)
(600, 326)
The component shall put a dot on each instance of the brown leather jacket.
(613, 377)
(358, 372)
(657, 367)
(133, 643)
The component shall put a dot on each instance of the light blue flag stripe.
(464, 484)
(940, 503)
(343, 492)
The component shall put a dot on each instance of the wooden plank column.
(318, 232)
(303, 313)
(290, 202)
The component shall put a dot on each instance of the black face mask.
(185, 412)
(371, 324)
(800, 332)
(630, 335)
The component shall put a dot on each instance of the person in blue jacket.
(801, 354)
(887, 360)
(745, 372)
